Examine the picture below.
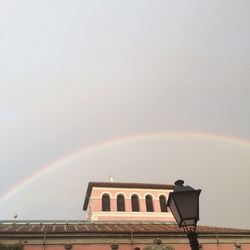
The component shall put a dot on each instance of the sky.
(145, 91)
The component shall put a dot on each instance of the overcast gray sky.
(76, 73)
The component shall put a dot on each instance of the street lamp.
(184, 205)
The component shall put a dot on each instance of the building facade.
(124, 216)
(108, 201)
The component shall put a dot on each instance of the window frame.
(163, 203)
(149, 203)
(120, 203)
(135, 204)
(106, 203)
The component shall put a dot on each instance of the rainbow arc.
(46, 169)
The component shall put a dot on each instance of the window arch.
(135, 203)
(120, 201)
(105, 202)
(149, 203)
(163, 203)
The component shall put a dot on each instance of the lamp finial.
(179, 183)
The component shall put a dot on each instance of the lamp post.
(184, 205)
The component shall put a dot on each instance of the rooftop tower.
(112, 201)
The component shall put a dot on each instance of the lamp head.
(184, 204)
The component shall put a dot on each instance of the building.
(108, 201)
(124, 216)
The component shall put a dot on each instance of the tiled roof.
(53, 227)
(122, 185)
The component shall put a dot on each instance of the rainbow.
(46, 169)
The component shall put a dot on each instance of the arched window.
(135, 203)
(149, 204)
(163, 203)
(105, 202)
(120, 203)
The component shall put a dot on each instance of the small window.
(149, 204)
(120, 203)
(105, 202)
(135, 203)
(163, 203)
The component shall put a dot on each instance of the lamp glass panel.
(174, 210)
(187, 204)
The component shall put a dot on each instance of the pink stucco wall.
(141, 246)
(95, 202)
(135, 218)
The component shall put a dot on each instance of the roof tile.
(111, 227)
